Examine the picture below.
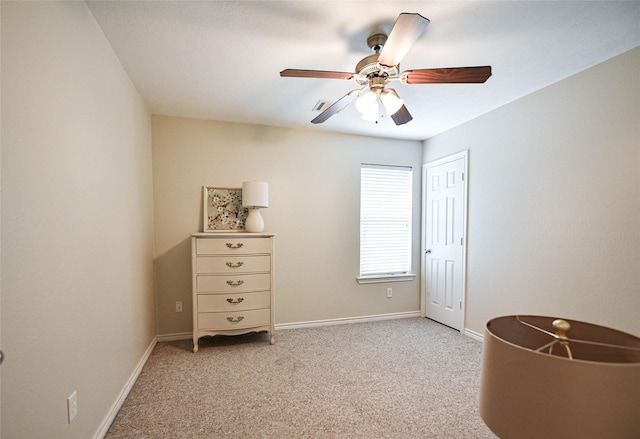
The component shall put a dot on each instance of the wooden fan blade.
(402, 116)
(296, 73)
(406, 30)
(336, 106)
(448, 75)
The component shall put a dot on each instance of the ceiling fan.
(375, 71)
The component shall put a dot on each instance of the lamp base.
(254, 222)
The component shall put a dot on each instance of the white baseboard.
(329, 322)
(343, 321)
(474, 335)
(177, 336)
(311, 324)
(115, 408)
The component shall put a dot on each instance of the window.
(385, 223)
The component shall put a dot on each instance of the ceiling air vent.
(321, 105)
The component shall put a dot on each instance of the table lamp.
(255, 195)
(552, 378)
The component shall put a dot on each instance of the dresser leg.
(195, 346)
(273, 338)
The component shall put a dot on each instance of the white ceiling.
(221, 60)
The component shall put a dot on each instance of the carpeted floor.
(406, 378)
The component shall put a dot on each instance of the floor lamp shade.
(255, 196)
(549, 378)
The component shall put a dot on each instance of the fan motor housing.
(368, 65)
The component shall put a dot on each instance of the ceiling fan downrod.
(376, 42)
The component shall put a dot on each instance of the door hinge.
(461, 304)
(461, 241)
(463, 176)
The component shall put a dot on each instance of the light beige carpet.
(407, 378)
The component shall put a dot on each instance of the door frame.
(423, 247)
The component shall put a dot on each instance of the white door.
(444, 245)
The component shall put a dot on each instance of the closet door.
(444, 245)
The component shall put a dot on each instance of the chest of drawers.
(232, 283)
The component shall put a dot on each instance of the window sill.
(386, 278)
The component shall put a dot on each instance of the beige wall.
(77, 294)
(554, 200)
(314, 190)
(553, 213)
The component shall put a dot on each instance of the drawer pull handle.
(232, 320)
(232, 265)
(235, 284)
(234, 246)
(238, 300)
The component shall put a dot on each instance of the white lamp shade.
(255, 194)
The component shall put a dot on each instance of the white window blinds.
(385, 220)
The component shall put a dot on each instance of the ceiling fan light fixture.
(366, 102)
(391, 102)
(369, 105)
(373, 72)
(372, 114)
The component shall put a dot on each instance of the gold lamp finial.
(562, 327)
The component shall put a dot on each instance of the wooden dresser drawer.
(234, 320)
(230, 283)
(233, 301)
(233, 264)
(233, 246)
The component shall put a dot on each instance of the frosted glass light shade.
(372, 115)
(255, 194)
(391, 102)
(367, 102)
(369, 105)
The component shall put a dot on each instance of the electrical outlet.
(179, 306)
(389, 292)
(72, 406)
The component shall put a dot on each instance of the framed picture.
(222, 209)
